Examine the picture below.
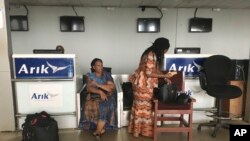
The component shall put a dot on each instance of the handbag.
(166, 93)
(182, 98)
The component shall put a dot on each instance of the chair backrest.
(217, 69)
(202, 80)
(179, 80)
(107, 69)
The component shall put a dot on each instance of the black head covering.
(161, 43)
(158, 47)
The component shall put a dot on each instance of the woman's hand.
(170, 74)
(103, 96)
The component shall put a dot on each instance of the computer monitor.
(19, 23)
(187, 50)
(199, 25)
(148, 25)
(72, 24)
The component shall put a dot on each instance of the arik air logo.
(43, 96)
(56, 68)
(191, 66)
(44, 68)
(199, 67)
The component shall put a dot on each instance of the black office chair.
(215, 81)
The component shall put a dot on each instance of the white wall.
(111, 34)
(230, 35)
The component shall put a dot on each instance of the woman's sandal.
(98, 134)
(95, 133)
(102, 132)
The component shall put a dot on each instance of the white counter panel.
(61, 97)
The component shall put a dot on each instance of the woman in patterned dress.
(99, 113)
(144, 80)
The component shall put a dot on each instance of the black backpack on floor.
(40, 127)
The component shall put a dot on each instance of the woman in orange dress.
(144, 80)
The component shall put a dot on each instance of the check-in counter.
(45, 82)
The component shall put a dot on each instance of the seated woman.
(99, 109)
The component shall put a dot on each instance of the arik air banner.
(191, 64)
(38, 67)
(46, 95)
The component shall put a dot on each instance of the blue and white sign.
(61, 68)
(190, 64)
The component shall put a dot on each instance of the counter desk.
(45, 82)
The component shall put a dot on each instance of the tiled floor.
(122, 135)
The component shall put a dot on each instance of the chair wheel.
(213, 135)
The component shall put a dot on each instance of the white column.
(7, 122)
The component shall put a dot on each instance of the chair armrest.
(155, 100)
(192, 99)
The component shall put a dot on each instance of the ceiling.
(227, 4)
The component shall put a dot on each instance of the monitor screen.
(72, 23)
(19, 23)
(148, 25)
(187, 50)
(200, 25)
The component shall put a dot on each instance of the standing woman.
(99, 111)
(144, 80)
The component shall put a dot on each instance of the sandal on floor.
(102, 132)
(97, 135)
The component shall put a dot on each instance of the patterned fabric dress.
(94, 110)
(141, 118)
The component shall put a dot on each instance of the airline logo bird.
(199, 67)
(52, 94)
(56, 68)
